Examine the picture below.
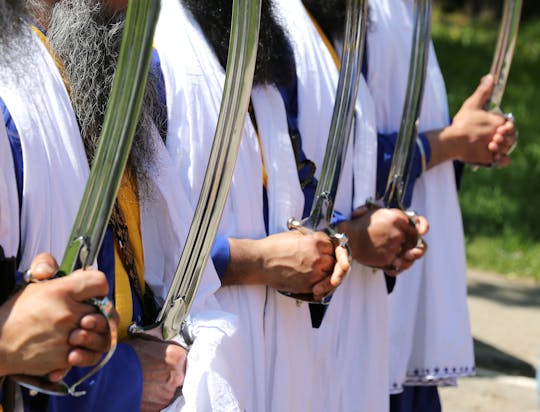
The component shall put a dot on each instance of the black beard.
(87, 41)
(330, 15)
(275, 63)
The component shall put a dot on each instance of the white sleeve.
(9, 201)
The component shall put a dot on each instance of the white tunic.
(352, 353)
(53, 157)
(234, 378)
(430, 338)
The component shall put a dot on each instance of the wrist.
(444, 145)
(246, 263)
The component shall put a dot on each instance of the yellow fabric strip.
(325, 40)
(57, 61)
(264, 174)
(129, 204)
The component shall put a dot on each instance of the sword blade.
(343, 114)
(219, 172)
(116, 136)
(400, 168)
(504, 51)
(107, 169)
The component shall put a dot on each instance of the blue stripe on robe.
(118, 386)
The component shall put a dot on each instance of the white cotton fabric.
(9, 207)
(55, 167)
(430, 337)
(290, 348)
(351, 362)
(228, 373)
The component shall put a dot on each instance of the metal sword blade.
(108, 167)
(343, 114)
(504, 52)
(339, 134)
(400, 168)
(215, 188)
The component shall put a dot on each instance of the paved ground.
(505, 319)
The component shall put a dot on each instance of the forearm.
(245, 265)
(443, 145)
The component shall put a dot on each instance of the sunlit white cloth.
(352, 340)
(53, 156)
(430, 337)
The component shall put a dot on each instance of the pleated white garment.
(352, 355)
(430, 337)
(55, 166)
(234, 378)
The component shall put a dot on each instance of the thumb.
(482, 93)
(43, 267)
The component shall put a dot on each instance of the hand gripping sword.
(340, 131)
(107, 170)
(215, 188)
(400, 168)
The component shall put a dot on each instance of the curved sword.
(107, 169)
(340, 130)
(400, 168)
(219, 172)
(504, 52)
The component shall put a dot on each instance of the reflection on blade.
(405, 144)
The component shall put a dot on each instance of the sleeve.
(221, 255)
(338, 218)
(385, 150)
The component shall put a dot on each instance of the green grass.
(500, 206)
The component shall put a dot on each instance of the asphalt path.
(505, 320)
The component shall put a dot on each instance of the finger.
(88, 284)
(409, 234)
(57, 375)
(43, 267)
(341, 268)
(88, 340)
(481, 95)
(322, 289)
(175, 356)
(503, 161)
(81, 357)
(325, 264)
(422, 225)
(324, 243)
(94, 322)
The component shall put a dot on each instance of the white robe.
(55, 174)
(352, 340)
(275, 366)
(234, 378)
(430, 338)
(53, 157)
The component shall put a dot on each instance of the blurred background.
(499, 211)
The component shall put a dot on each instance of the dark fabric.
(459, 168)
(390, 283)
(385, 151)
(8, 395)
(8, 268)
(416, 399)
(221, 255)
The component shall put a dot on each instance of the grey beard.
(87, 42)
(14, 36)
